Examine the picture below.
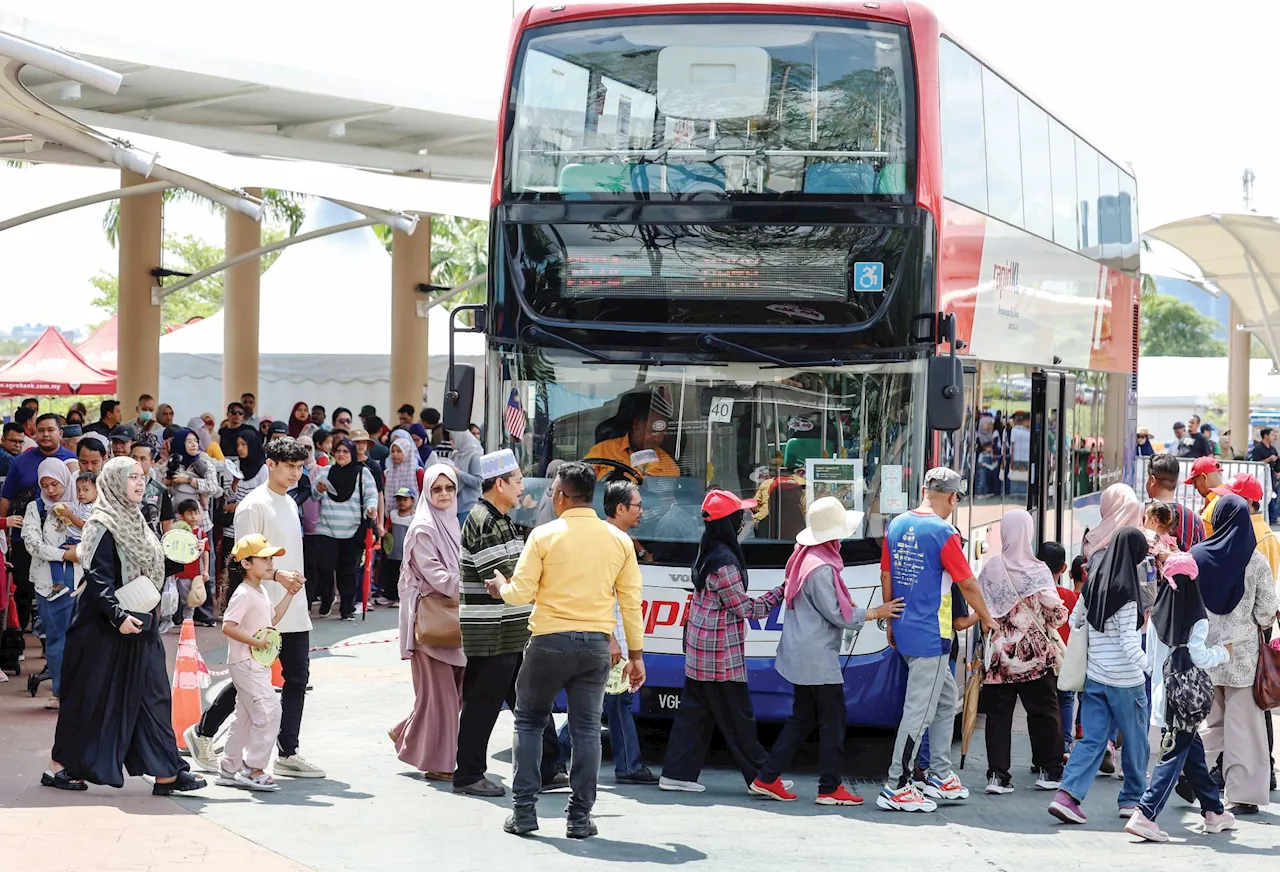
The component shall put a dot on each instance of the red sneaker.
(774, 789)
(839, 796)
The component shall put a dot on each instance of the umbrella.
(368, 570)
(976, 671)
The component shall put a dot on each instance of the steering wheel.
(620, 469)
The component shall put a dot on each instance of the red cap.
(719, 504)
(1244, 486)
(1203, 466)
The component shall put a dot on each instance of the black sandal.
(183, 783)
(61, 780)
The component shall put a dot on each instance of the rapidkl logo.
(673, 613)
(1007, 288)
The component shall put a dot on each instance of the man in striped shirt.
(493, 633)
(1163, 473)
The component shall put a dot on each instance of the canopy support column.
(241, 307)
(410, 359)
(141, 220)
(1238, 342)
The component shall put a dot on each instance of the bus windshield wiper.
(537, 333)
(711, 342)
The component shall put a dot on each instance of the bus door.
(1053, 397)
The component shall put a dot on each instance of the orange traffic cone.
(277, 674)
(190, 675)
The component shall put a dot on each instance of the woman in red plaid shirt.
(715, 683)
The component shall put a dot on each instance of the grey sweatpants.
(930, 704)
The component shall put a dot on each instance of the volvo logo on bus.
(1007, 288)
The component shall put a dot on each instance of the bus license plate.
(663, 701)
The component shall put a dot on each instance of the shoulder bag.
(1075, 663)
(1266, 680)
(435, 623)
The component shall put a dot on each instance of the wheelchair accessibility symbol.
(868, 277)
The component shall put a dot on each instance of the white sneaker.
(950, 790)
(665, 783)
(1045, 781)
(998, 786)
(201, 749)
(297, 767)
(905, 799)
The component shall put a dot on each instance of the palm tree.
(280, 207)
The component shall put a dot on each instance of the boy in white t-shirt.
(257, 720)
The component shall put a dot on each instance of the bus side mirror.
(459, 398)
(944, 405)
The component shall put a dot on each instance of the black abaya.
(114, 712)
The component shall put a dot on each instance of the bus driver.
(640, 447)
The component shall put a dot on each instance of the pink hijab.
(1120, 508)
(1015, 573)
(432, 547)
(804, 560)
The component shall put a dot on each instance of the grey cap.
(942, 480)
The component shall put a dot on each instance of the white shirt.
(276, 517)
(27, 443)
(1020, 440)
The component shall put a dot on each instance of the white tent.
(324, 334)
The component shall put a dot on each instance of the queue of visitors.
(1165, 616)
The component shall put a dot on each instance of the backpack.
(1188, 692)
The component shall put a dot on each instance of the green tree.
(459, 251)
(1172, 328)
(280, 208)
(185, 254)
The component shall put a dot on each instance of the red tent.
(99, 350)
(51, 367)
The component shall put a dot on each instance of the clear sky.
(1179, 89)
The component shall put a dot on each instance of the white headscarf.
(57, 470)
(140, 551)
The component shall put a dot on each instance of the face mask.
(144, 415)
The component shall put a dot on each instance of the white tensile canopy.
(324, 332)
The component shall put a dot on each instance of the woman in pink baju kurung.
(428, 738)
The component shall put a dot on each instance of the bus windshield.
(714, 108)
(782, 436)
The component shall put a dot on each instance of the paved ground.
(374, 814)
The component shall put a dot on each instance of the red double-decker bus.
(736, 245)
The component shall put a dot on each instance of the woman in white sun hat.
(818, 611)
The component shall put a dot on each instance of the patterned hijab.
(404, 473)
(140, 552)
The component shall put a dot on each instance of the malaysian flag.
(513, 416)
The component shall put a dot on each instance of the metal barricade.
(1187, 495)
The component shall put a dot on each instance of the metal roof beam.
(351, 118)
(147, 107)
(243, 142)
(119, 194)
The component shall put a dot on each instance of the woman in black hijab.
(1179, 628)
(1115, 689)
(1239, 595)
(715, 682)
(347, 494)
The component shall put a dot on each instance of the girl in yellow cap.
(249, 611)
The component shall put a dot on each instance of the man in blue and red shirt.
(921, 557)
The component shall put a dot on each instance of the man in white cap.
(920, 558)
(493, 633)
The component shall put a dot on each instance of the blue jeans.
(1067, 716)
(55, 616)
(1186, 755)
(622, 735)
(577, 663)
(1102, 709)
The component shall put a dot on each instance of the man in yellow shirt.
(573, 569)
(1206, 474)
(1248, 488)
(646, 429)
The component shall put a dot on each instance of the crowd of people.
(1162, 616)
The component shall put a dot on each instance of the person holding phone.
(115, 697)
